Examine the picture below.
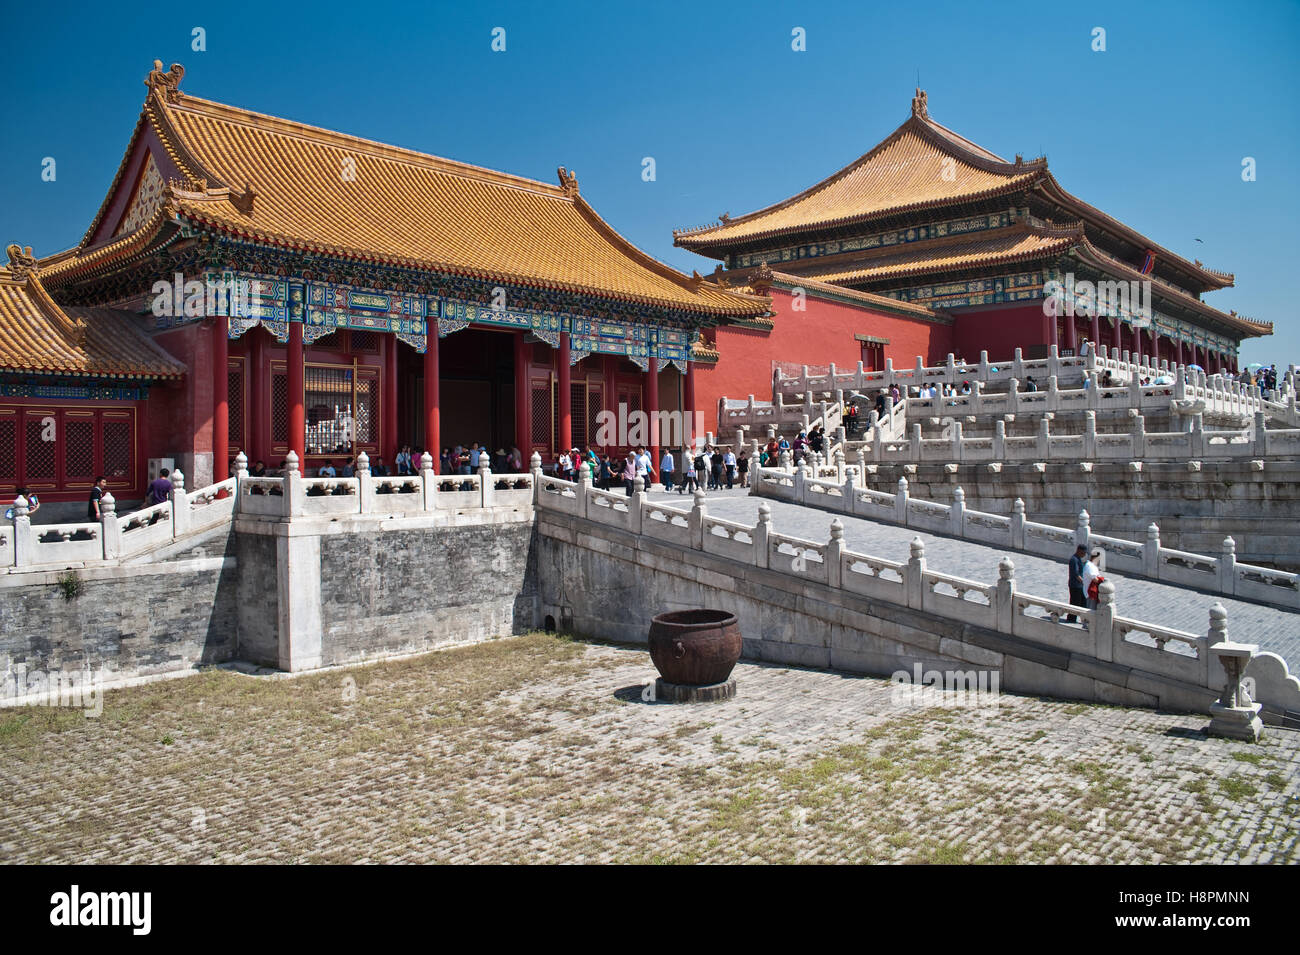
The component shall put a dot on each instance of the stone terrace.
(1172, 606)
(542, 750)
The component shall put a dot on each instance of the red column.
(1049, 327)
(432, 418)
(1096, 330)
(297, 418)
(690, 403)
(388, 447)
(1178, 351)
(523, 396)
(1155, 348)
(652, 409)
(1071, 335)
(257, 381)
(220, 399)
(565, 396)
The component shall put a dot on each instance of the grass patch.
(1234, 787)
(1255, 759)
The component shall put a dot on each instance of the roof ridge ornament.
(568, 182)
(762, 277)
(168, 84)
(21, 261)
(920, 109)
(244, 200)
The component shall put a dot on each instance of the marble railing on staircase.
(115, 537)
(952, 372)
(998, 606)
(1149, 559)
(992, 377)
(1257, 444)
(1223, 398)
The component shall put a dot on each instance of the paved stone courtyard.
(1179, 607)
(539, 749)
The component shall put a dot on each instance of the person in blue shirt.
(1078, 596)
(160, 489)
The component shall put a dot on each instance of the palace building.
(253, 284)
(361, 289)
(938, 246)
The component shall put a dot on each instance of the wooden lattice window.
(328, 403)
(365, 341)
(541, 414)
(235, 406)
(279, 408)
(342, 408)
(79, 446)
(578, 413)
(368, 407)
(8, 447)
(594, 407)
(40, 450)
(118, 446)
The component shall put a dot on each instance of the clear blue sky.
(1153, 130)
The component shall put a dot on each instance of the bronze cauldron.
(695, 647)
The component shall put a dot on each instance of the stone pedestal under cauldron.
(695, 652)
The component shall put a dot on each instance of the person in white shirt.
(644, 469)
(564, 466)
(666, 469)
(1091, 570)
(707, 477)
(729, 462)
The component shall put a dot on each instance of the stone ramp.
(1181, 608)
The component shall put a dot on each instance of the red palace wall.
(180, 416)
(822, 334)
(998, 329)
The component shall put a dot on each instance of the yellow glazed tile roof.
(286, 183)
(38, 336)
(1004, 246)
(921, 164)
